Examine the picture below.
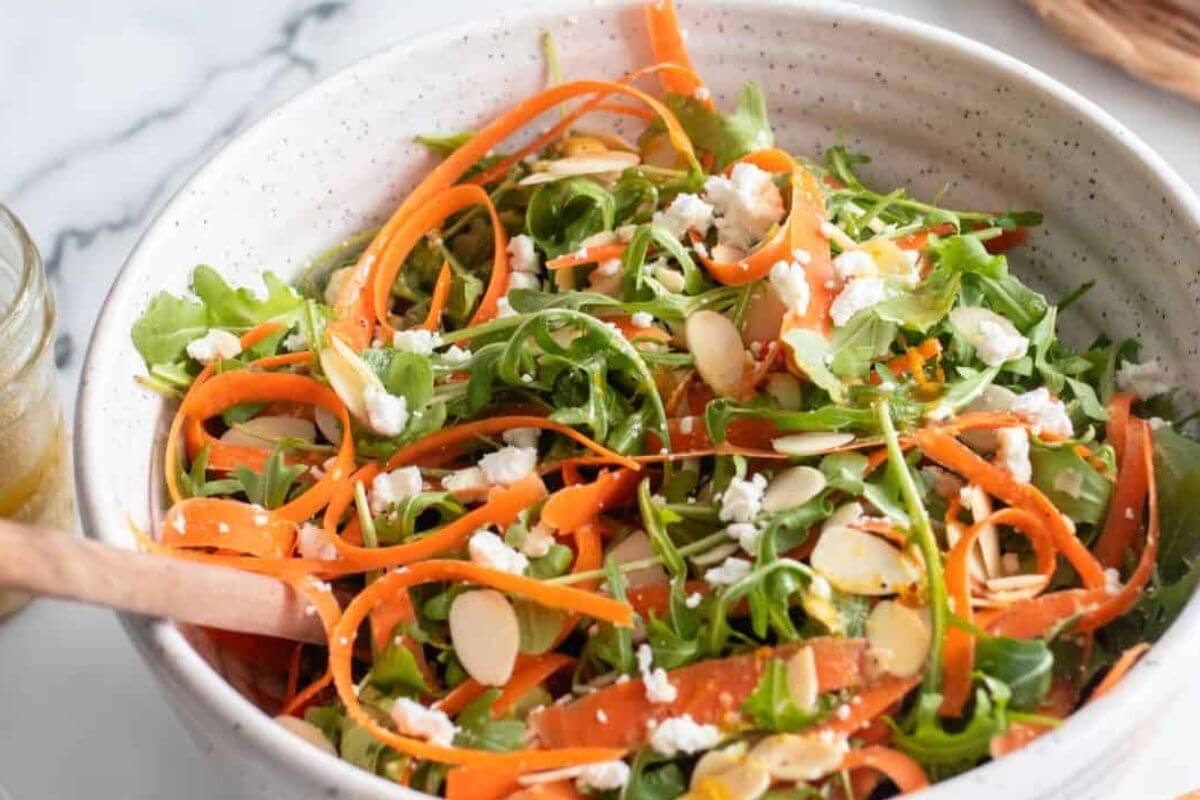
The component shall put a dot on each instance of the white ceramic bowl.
(934, 110)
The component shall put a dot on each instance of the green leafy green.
(1024, 665)
(564, 213)
(538, 626)
(1071, 482)
(946, 752)
(477, 729)
(726, 136)
(770, 705)
(395, 669)
(270, 488)
(167, 326)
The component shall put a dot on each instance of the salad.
(682, 466)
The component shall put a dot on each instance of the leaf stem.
(698, 546)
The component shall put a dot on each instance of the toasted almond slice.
(988, 541)
(672, 279)
(611, 140)
(898, 638)
(844, 515)
(328, 425)
(746, 781)
(954, 532)
(337, 280)
(349, 376)
(861, 563)
(715, 762)
(785, 390)
(793, 487)
(717, 347)
(485, 634)
(800, 757)
(306, 731)
(802, 679)
(584, 164)
(764, 315)
(1013, 595)
(812, 443)
(263, 432)
(715, 555)
(635, 547)
(1011, 582)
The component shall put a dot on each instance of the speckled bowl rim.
(1091, 730)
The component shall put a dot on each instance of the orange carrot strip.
(666, 41)
(437, 302)
(873, 700)
(574, 506)
(532, 674)
(592, 255)
(342, 635)
(1119, 669)
(227, 525)
(627, 328)
(957, 457)
(1058, 704)
(1034, 618)
(460, 697)
(958, 657)
(900, 768)
(903, 363)
(501, 783)
(628, 110)
(493, 426)
(1118, 422)
(1124, 509)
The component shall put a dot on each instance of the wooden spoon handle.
(48, 563)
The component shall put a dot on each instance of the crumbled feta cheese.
(702, 94)
(687, 212)
(392, 487)
(1069, 482)
(417, 340)
(1129, 513)
(538, 541)
(456, 356)
(311, 543)
(642, 319)
(746, 205)
(791, 283)
(609, 268)
(730, 571)
(859, 294)
(675, 735)
(489, 550)
(940, 412)
(464, 479)
(659, 688)
(179, 524)
(522, 437)
(855, 264)
(600, 239)
(387, 414)
(1158, 423)
(601, 717)
(693, 600)
(523, 280)
(508, 464)
(801, 257)
(603, 776)
(295, 342)
(522, 257)
(999, 342)
(213, 345)
(1043, 413)
(1144, 380)
(1013, 453)
(687, 425)
(414, 719)
(504, 309)
(742, 499)
(746, 534)
(1112, 581)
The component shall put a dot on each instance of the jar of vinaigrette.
(35, 469)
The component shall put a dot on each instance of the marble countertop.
(105, 108)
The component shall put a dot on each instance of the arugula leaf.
(1071, 483)
(812, 354)
(1177, 471)
(399, 523)
(945, 752)
(854, 346)
(444, 145)
(242, 308)
(727, 136)
(1024, 665)
(410, 376)
(564, 213)
(164, 330)
(653, 777)
(770, 706)
(477, 729)
(395, 670)
(538, 626)
(655, 521)
(270, 488)
(925, 306)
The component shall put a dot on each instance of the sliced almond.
(720, 355)
(715, 555)
(802, 681)
(861, 563)
(306, 731)
(589, 164)
(1017, 582)
(671, 279)
(812, 443)
(746, 781)
(898, 638)
(485, 634)
(844, 515)
(793, 487)
(988, 540)
(328, 425)
(337, 280)
(715, 762)
(764, 315)
(611, 140)
(349, 376)
(637, 547)
(800, 757)
(264, 432)
(784, 390)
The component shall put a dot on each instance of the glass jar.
(35, 471)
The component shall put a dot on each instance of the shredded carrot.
(900, 768)
(592, 255)
(1057, 705)
(1034, 618)
(574, 506)
(229, 525)
(632, 332)
(1124, 509)
(342, 635)
(911, 360)
(627, 109)
(1119, 669)
(666, 40)
(437, 302)
(528, 676)
(873, 700)
(1118, 422)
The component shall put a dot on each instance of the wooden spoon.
(48, 563)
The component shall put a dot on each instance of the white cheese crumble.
(537, 541)
(1069, 482)
(1112, 581)
(414, 719)
(522, 257)
(687, 425)
(683, 734)
(464, 479)
(489, 550)
(1144, 380)
(387, 414)
(522, 437)
(213, 345)
(1043, 413)
(311, 543)
(642, 319)
(523, 280)
(999, 342)
(729, 572)
(295, 342)
(504, 309)
(746, 534)
(1013, 454)
(742, 499)
(508, 464)
(456, 356)
(417, 340)
(600, 776)
(392, 487)
(855, 264)
(801, 257)
(746, 205)
(859, 294)
(702, 93)
(179, 524)
(659, 688)
(693, 600)
(687, 212)
(791, 283)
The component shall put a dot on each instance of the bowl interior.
(936, 115)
